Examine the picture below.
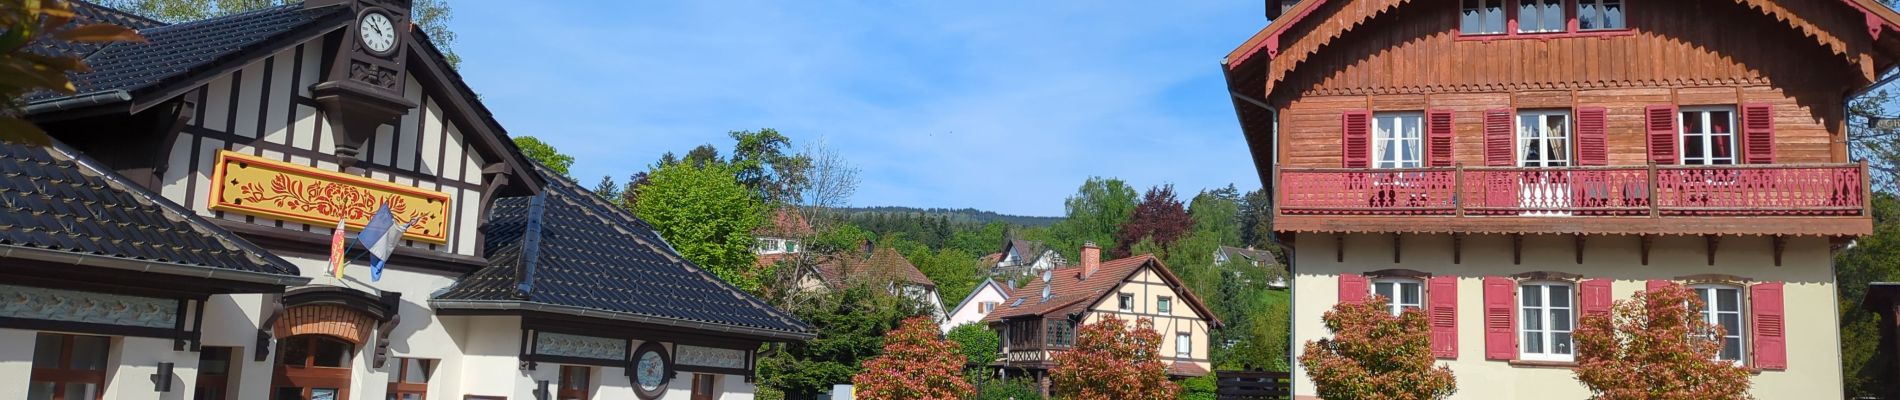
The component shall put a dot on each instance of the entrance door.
(312, 367)
(1543, 143)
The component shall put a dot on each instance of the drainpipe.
(1293, 324)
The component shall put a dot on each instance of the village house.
(872, 264)
(1262, 259)
(1041, 318)
(1024, 258)
(175, 240)
(1506, 166)
(979, 304)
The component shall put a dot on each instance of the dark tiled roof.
(52, 199)
(590, 255)
(173, 51)
(1252, 255)
(85, 13)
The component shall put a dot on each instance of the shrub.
(1656, 346)
(916, 364)
(1374, 355)
(1110, 361)
(979, 344)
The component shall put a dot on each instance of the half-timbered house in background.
(1507, 165)
(175, 243)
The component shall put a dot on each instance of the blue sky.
(999, 105)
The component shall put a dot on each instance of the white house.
(977, 305)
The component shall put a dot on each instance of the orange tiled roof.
(1070, 292)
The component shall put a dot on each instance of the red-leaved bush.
(916, 365)
(1656, 346)
(1374, 355)
(1110, 361)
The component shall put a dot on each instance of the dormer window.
(1539, 18)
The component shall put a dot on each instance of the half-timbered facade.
(1508, 165)
(269, 129)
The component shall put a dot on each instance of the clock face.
(650, 371)
(378, 33)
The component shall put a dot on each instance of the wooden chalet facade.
(1506, 165)
(239, 144)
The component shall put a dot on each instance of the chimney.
(1091, 259)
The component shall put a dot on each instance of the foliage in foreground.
(977, 342)
(1111, 361)
(1656, 346)
(1375, 355)
(24, 22)
(851, 324)
(916, 364)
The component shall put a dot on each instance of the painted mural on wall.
(262, 187)
(565, 345)
(88, 307)
(709, 357)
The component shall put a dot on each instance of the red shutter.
(1500, 318)
(1655, 284)
(1355, 134)
(1353, 288)
(1758, 133)
(1443, 303)
(1593, 136)
(1595, 296)
(1661, 124)
(1497, 138)
(1771, 341)
(1438, 136)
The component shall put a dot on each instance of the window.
(1543, 138)
(1482, 17)
(410, 379)
(705, 387)
(791, 246)
(1397, 140)
(1405, 294)
(1061, 333)
(767, 245)
(1722, 306)
(1546, 317)
(313, 367)
(1126, 301)
(214, 373)
(1164, 305)
(986, 307)
(1600, 14)
(1183, 345)
(68, 367)
(1541, 16)
(574, 383)
(1708, 135)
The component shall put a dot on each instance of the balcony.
(1737, 199)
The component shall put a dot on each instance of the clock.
(652, 370)
(377, 32)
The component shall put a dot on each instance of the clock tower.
(362, 85)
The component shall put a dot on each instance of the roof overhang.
(151, 267)
(486, 307)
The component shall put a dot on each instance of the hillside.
(959, 216)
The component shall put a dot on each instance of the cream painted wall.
(133, 360)
(1813, 342)
(1148, 288)
(489, 362)
(16, 359)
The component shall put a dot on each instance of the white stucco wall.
(16, 359)
(969, 312)
(1809, 298)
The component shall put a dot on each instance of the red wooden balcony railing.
(1729, 190)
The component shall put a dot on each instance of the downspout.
(77, 102)
(1273, 116)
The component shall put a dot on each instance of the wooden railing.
(1650, 190)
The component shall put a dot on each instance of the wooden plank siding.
(265, 109)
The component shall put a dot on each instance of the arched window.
(1546, 315)
(313, 367)
(1402, 293)
(1722, 306)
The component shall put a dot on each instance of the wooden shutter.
(1353, 288)
(1655, 284)
(1594, 296)
(1758, 133)
(1498, 146)
(1593, 136)
(1771, 342)
(1442, 301)
(1500, 318)
(1355, 137)
(1438, 136)
(1660, 121)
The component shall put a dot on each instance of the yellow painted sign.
(251, 185)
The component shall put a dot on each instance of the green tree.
(1874, 258)
(1094, 214)
(608, 189)
(544, 153)
(706, 215)
(851, 325)
(432, 15)
(978, 342)
(1256, 220)
(764, 162)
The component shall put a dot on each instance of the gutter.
(57, 256)
(78, 102)
(618, 316)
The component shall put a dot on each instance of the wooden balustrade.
(1650, 190)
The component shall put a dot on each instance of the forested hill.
(959, 216)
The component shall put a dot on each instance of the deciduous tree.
(706, 215)
(851, 324)
(1375, 355)
(916, 364)
(977, 342)
(1095, 213)
(544, 153)
(1109, 361)
(1656, 346)
(1160, 216)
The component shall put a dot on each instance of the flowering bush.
(1110, 361)
(1656, 346)
(916, 364)
(1374, 355)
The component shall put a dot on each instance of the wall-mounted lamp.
(162, 380)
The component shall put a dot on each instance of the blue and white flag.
(380, 236)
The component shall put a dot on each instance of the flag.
(336, 250)
(379, 235)
(376, 268)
